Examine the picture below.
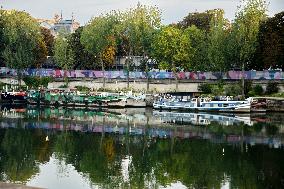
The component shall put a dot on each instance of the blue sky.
(172, 10)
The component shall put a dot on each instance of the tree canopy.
(21, 34)
(202, 41)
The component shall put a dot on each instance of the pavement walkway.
(15, 186)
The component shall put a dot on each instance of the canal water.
(140, 148)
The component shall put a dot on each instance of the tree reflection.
(21, 150)
(195, 163)
(143, 161)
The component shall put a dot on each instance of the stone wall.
(158, 87)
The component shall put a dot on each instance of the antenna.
(61, 18)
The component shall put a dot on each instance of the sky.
(83, 10)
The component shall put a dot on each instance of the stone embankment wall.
(156, 85)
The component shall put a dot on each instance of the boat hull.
(13, 98)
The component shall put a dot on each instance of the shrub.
(272, 87)
(45, 80)
(258, 90)
(63, 86)
(83, 88)
(32, 82)
(251, 93)
(35, 81)
(205, 88)
(233, 90)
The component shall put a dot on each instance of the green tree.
(270, 51)
(201, 20)
(136, 31)
(246, 29)
(98, 35)
(48, 39)
(63, 54)
(41, 52)
(82, 58)
(216, 43)
(21, 34)
(198, 40)
(172, 49)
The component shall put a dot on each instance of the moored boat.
(13, 97)
(205, 104)
(60, 97)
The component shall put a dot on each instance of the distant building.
(59, 25)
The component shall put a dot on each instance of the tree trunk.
(243, 80)
(148, 81)
(176, 78)
(65, 78)
(147, 75)
(103, 69)
(19, 78)
(127, 67)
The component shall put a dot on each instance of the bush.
(35, 82)
(258, 90)
(45, 80)
(233, 90)
(83, 88)
(31, 82)
(205, 88)
(63, 86)
(272, 87)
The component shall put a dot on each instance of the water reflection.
(139, 149)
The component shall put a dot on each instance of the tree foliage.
(201, 20)
(246, 28)
(48, 39)
(172, 49)
(270, 51)
(198, 40)
(203, 41)
(217, 43)
(82, 58)
(98, 36)
(63, 54)
(21, 35)
(137, 28)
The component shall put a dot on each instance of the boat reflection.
(203, 118)
(132, 116)
(219, 127)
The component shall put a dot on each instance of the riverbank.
(155, 85)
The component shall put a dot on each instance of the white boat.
(205, 104)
